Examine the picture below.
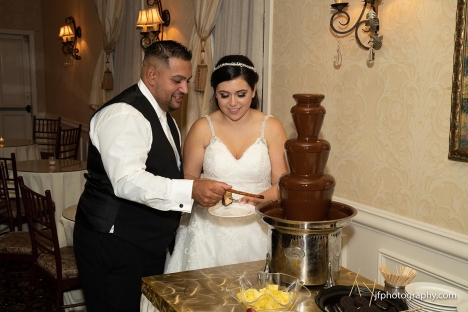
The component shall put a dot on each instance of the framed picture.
(458, 140)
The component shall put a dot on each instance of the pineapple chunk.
(264, 297)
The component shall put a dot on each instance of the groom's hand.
(208, 192)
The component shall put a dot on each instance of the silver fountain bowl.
(308, 250)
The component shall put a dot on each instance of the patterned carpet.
(17, 304)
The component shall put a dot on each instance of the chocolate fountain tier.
(306, 197)
(339, 216)
(306, 191)
(307, 156)
(308, 114)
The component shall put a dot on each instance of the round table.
(69, 213)
(68, 221)
(65, 180)
(23, 149)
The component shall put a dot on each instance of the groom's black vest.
(99, 209)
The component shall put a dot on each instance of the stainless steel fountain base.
(305, 248)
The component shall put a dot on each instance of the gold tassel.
(107, 80)
(202, 72)
(200, 77)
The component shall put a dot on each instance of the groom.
(134, 194)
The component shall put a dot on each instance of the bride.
(239, 145)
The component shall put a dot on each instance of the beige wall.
(67, 89)
(180, 29)
(388, 125)
(64, 91)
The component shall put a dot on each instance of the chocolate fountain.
(305, 223)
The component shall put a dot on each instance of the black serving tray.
(331, 296)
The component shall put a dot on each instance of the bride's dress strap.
(262, 130)
(211, 125)
(263, 125)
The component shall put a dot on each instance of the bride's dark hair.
(230, 67)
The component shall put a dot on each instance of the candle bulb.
(338, 1)
(2, 139)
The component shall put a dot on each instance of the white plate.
(413, 304)
(430, 307)
(422, 288)
(234, 210)
(463, 307)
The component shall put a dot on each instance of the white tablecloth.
(65, 188)
(27, 152)
(146, 305)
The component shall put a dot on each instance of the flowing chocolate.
(306, 191)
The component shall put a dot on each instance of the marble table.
(67, 219)
(205, 289)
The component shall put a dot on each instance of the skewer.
(246, 194)
(403, 276)
(414, 309)
(352, 287)
(355, 279)
(372, 294)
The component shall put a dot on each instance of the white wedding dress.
(204, 240)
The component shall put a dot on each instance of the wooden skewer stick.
(372, 294)
(246, 194)
(352, 287)
(402, 277)
(355, 279)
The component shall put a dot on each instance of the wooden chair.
(11, 176)
(68, 143)
(15, 250)
(45, 135)
(56, 265)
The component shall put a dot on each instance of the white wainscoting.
(377, 237)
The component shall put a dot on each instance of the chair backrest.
(68, 143)
(11, 176)
(40, 213)
(6, 216)
(45, 131)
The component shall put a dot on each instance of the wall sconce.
(372, 22)
(154, 18)
(69, 34)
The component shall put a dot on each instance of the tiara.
(235, 64)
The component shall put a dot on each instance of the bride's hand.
(249, 200)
